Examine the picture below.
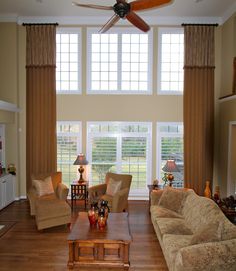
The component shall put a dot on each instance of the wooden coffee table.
(109, 247)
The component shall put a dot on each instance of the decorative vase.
(93, 214)
(104, 205)
(207, 191)
(102, 220)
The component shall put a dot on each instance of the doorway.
(231, 174)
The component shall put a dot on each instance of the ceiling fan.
(125, 10)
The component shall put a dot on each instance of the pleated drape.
(198, 106)
(41, 100)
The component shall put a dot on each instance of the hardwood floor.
(23, 247)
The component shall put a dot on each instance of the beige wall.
(227, 106)
(85, 108)
(9, 92)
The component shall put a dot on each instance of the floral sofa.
(193, 232)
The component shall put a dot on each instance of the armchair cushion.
(43, 187)
(113, 187)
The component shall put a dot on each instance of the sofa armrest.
(62, 191)
(217, 256)
(119, 200)
(155, 196)
(96, 191)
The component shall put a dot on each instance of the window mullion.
(119, 153)
(119, 62)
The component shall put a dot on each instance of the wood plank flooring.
(24, 248)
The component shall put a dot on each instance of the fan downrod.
(121, 9)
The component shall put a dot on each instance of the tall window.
(170, 146)
(119, 62)
(170, 60)
(120, 147)
(68, 147)
(68, 70)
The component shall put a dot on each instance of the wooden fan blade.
(137, 21)
(146, 4)
(93, 6)
(114, 19)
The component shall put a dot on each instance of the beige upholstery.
(184, 224)
(119, 201)
(50, 210)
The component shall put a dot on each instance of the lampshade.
(170, 166)
(81, 160)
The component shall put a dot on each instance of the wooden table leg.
(70, 263)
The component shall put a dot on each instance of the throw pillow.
(43, 187)
(172, 199)
(113, 187)
(208, 233)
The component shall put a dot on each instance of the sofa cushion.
(43, 187)
(200, 211)
(228, 230)
(207, 233)
(172, 199)
(159, 211)
(172, 244)
(172, 226)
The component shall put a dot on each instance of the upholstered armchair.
(115, 190)
(47, 198)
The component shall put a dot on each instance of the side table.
(79, 191)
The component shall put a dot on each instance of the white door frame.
(230, 187)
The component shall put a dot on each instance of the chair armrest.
(96, 191)
(62, 191)
(120, 200)
(155, 196)
(207, 256)
(32, 197)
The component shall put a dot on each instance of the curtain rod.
(199, 24)
(24, 24)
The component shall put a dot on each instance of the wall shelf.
(8, 106)
(227, 97)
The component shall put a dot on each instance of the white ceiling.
(62, 11)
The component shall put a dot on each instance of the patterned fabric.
(201, 239)
(43, 187)
(173, 226)
(164, 212)
(172, 199)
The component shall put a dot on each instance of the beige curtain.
(198, 106)
(41, 100)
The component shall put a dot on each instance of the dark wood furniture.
(108, 247)
(79, 191)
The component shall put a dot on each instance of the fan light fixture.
(125, 10)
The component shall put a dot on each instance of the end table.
(79, 191)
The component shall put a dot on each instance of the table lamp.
(81, 161)
(170, 167)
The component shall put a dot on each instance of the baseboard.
(21, 197)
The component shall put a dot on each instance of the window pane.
(120, 147)
(171, 55)
(68, 142)
(67, 61)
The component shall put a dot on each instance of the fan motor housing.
(121, 9)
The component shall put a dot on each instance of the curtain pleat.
(198, 106)
(41, 100)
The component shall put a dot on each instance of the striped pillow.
(43, 187)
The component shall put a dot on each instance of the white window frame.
(134, 193)
(158, 143)
(165, 30)
(78, 134)
(120, 31)
(74, 30)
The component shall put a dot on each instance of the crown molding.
(100, 20)
(229, 12)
